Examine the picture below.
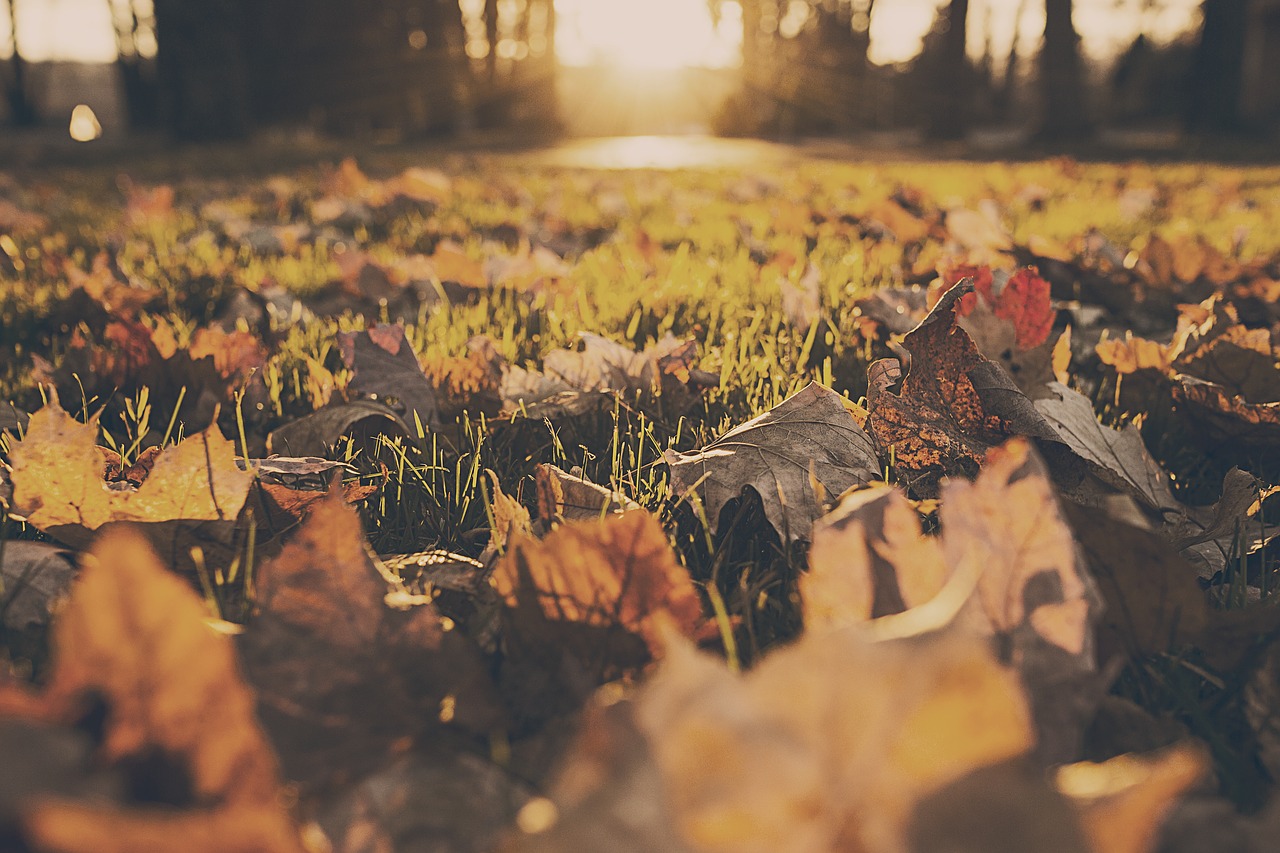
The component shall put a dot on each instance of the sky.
(663, 33)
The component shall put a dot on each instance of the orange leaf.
(617, 572)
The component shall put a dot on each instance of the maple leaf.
(136, 636)
(853, 733)
(1011, 328)
(798, 454)
(58, 483)
(334, 631)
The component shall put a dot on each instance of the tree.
(1062, 84)
(202, 68)
(22, 112)
(949, 105)
(1217, 68)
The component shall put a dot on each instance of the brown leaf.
(797, 455)
(34, 578)
(1116, 456)
(853, 735)
(615, 572)
(335, 633)
(1153, 603)
(563, 496)
(384, 368)
(1122, 802)
(318, 433)
(59, 488)
(953, 406)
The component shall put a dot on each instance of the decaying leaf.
(806, 450)
(953, 406)
(58, 483)
(615, 572)
(331, 636)
(136, 636)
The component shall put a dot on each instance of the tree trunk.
(1062, 89)
(22, 113)
(950, 110)
(491, 34)
(202, 68)
(1213, 93)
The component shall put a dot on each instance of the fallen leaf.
(384, 368)
(136, 636)
(854, 734)
(615, 572)
(325, 642)
(868, 559)
(320, 432)
(797, 455)
(954, 404)
(1118, 457)
(561, 495)
(34, 578)
(58, 484)
(1122, 802)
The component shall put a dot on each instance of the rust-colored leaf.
(618, 572)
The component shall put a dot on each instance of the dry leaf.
(615, 572)
(853, 734)
(384, 368)
(326, 643)
(797, 455)
(1117, 457)
(868, 559)
(136, 636)
(953, 406)
(59, 488)
(1122, 802)
(561, 495)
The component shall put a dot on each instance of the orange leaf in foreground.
(620, 571)
(134, 634)
(1123, 801)
(829, 743)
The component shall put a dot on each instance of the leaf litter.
(654, 577)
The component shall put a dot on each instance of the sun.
(647, 35)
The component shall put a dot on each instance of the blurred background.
(1053, 71)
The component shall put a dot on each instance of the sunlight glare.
(655, 34)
